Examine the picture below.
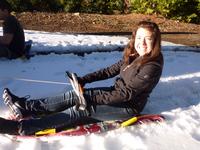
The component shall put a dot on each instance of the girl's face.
(143, 41)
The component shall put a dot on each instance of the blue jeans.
(59, 111)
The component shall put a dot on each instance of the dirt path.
(173, 31)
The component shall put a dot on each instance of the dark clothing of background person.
(16, 48)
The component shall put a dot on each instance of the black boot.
(8, 126)
(15, 103)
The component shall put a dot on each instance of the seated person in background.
(12, 42)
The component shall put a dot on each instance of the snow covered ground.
(177, 95)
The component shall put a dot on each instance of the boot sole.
(15, 111)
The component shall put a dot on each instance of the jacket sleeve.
(102, 74)
(144, 81)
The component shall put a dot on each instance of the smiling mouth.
(143, 47)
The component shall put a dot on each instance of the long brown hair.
(129, 50)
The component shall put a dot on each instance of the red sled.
(87, 129)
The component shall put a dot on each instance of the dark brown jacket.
(133, 85)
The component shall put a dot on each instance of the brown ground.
(173, 31)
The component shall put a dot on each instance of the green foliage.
(39, 5)
(46, 5)
(87, 6)
(93, 6)
(20, 5)
(186, 10)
